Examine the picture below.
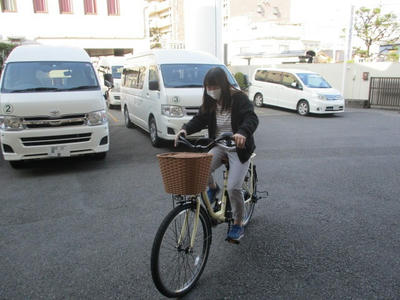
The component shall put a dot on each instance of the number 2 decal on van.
(8, 109)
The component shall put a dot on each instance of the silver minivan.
(300, 90)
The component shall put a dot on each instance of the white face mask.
(215, 94)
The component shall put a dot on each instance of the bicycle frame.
(220, 214)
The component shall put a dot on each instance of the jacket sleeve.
(197, 123)
(249, 119)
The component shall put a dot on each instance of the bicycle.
(181, 247)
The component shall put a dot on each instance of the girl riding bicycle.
(226, 109)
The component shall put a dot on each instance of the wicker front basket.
(185, 173)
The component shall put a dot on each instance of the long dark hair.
(217, 77)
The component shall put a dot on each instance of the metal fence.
(385, 92)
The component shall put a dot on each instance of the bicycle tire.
(249, 198)
(177, 259)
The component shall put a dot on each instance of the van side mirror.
(108, 77)
(153, 85)
(296, 85)
(108, 84)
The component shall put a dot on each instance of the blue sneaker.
(212, 193)
(236, 233)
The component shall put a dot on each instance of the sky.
(326, 19)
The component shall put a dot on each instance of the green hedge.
(241, 80)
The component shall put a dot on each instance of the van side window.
(274, 77)
(154, 82)
(131, 77)
(261, 75)
(142, 73)
(288, 79)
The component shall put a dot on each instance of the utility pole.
(348, 52)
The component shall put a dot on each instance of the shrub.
(241, 80)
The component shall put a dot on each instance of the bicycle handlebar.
(226, 136)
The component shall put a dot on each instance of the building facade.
(102, 27)
(166, 23)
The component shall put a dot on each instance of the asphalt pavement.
(83, 228)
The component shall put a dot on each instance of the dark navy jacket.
(243, 121)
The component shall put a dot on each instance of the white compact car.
(300, 90)
(51, 105)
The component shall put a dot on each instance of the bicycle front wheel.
(249, 191)
(175, 265)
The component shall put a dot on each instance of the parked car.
(301, 90)
(110, 69)
(51, 105)
(163, 89)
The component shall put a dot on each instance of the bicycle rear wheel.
(249, 199)
(175, 267)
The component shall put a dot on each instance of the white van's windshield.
(189, 75)
(116, 71)
(312, 80)
(24, 77)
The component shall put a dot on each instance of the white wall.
(203, 26)
(77, 28)
(355, 87)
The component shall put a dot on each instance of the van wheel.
(16, 164)
(303, 108)
(258, 100)
(100, 155)
(155, 140)
(128, 122)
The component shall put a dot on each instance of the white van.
(110, 69)
(51, 105)
(300, 90)
(163, 89)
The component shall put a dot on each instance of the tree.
(373, 27)
(5, 49)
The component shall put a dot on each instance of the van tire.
(303, 108)
(100, 155)
(16, 164)
(155, 140)
(128, 122)
(258, 100)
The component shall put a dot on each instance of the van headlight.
(321, 96)
(174, 111)
(11, 123)
(95, 118)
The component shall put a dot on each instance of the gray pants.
(237, 172)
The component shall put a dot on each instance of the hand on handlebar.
(180, 132)
(240, 140)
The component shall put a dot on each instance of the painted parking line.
(112, 117)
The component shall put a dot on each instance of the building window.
(90, 7)
(8, 6)
(65, 6)
(113, 7)
(39, 6)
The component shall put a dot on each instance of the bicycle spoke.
(178, 266)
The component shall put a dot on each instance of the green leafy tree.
(5, 49)
(241, 80)
(374, 27)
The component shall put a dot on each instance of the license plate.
(59, 151)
